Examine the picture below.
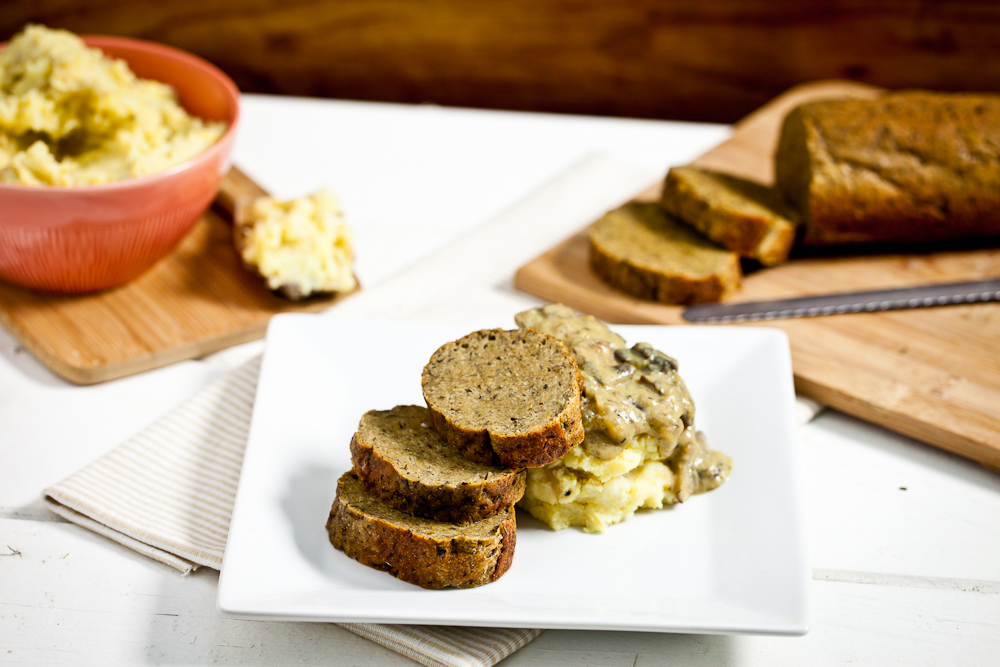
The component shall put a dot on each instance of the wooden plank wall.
(712, 60)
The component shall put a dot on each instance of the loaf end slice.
(509, 398)
(746, 217)
(642, 250)
(400, 457)
(428, 553)
(906, 167)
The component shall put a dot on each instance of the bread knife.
(922, 296)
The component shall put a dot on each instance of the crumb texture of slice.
(400, 457)
(421, 551)
(748, 218)
(642, 250)
(510, 398)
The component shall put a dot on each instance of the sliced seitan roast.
(510, 398)
(421, 551)
(401, 458)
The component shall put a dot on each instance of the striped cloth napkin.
(168, 492)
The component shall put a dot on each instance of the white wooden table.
(905, 539)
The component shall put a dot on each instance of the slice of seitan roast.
(748, 218)
(428, 553)
(401, 458)
(505, 397)
(642, 250)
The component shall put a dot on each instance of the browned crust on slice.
(529, 450)
(419, 551)
(508, 540)
(664, 288)
(746, 217)
(473, 445)
(488, 443)
(645, 252)
(483, 490)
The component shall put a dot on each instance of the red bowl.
(92, 237)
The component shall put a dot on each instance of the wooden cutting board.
(932, 374)
(197, 300)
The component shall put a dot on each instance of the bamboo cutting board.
(932, 374)
(197, 300)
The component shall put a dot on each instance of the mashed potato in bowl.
(70, 115)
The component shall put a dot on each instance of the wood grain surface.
(932, 374)
(196, 301)
(713, 60)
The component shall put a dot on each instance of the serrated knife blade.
(921, 296)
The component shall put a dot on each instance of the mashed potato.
(300, 247)
(640, 448)
(581, 490)
(69, 115)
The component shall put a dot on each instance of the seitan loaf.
(401, 458)
(912, 166)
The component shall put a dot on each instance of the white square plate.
(730, 561)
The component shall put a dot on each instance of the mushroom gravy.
(637, 412)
